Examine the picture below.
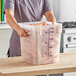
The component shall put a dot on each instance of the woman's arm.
(13, 23)
(11, 20)
(50, 16)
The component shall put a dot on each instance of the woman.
(25, 11)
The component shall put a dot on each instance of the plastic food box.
(43, 44)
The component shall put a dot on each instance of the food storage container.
(43, 44)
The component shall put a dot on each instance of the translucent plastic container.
(43, 44)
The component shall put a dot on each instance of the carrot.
(44, 23)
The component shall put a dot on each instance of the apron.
(25, 11)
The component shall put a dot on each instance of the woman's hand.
(22, 32)
(50, 16)
(53, 19)
(13, 23)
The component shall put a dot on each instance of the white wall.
(64, 10)
(67, 10)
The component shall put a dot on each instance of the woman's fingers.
(26, 30)
(52, 22)
(24, 33)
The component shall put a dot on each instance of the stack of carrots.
(43, 23)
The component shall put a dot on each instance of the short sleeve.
(9, 4)
(47, 6)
